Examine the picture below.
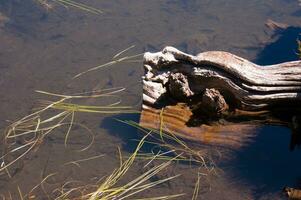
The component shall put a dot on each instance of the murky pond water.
(43, 49)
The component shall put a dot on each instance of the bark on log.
(292, 194)
(253, 86)
(217, 85)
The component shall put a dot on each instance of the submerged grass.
(70, 3)
(26, 134)
(110, 189)
(115, 61)
(171, 148)
(107, 191)
(170, 145)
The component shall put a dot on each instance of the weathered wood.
(292, 194)
(252, 86)
(218, 85)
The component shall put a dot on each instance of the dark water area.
(267, 164)
(284, 49)
(43, 48)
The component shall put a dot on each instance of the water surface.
(43, 49)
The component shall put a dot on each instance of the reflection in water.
(232, 136)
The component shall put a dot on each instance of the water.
(43, 50)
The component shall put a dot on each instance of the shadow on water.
(129, 135)
(283, 49)
(270, 163)
(267, 164)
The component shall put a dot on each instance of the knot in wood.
(179, 86)
(214, 102)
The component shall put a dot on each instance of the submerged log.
(218, 85)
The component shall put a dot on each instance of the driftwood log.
(216, 97)
(292, 194)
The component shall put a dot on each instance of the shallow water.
(43, 50)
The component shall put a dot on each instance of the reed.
(170, 146)
(70, 3)
(26, 134)
(114, 61)
(110, 189)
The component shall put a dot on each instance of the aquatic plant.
(26, 134)
(109, 188)
(107, 191)
(70, 3)
(171, 148)
(115, 60)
